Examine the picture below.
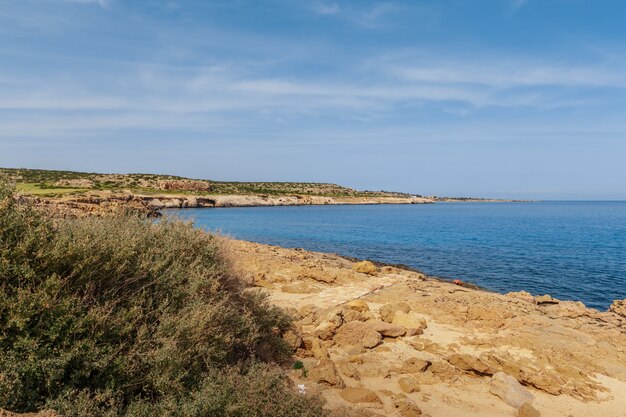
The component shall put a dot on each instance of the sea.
(572, 250)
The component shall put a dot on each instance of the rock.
(618, 307)
(509, 390)
(527, 410)
(357, 333)
(156, 204)
(365, 267)
(411, 321)
(356, 310)
(319, 276)
(444, 371)
(469, 363)
(298, 288)
(407, 408)
(318, 349)
(190, 202)
(408, 385)
(521, 295)
(328, 327)
(293, 339)
(359, 395)
(388, 311)
(387, 329)
(326, 373)
(414, 365)
(373, 370)
(545, 299)
(309, 313)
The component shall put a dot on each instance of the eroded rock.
(357, 333)
(365, 267)
(509, 390)
(359, 395)
(388, 311)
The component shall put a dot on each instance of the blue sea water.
(571, 250)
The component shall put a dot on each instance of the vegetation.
(56, 183)
(120, 316)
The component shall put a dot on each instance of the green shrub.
(124, 317)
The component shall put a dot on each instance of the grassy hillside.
(55, 183)
(124, 317)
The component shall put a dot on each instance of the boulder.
(408, 385)
(388, 311)
(326, 373)
(329, 326)
(365, 267)
(309, 314)
(509, 390)
(411, 321)
(359, 395)
(414, 365)
(293, 339)
(406, 408)
(318, 349)
(356, 333)
(527, 410)
(618, 307)
(469, 363)
(356, 310)
(387, 329)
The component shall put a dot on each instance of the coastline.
(380, 339)
(448, 339)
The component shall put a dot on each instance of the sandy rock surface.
(393, 342)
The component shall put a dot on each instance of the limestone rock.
(411, 321)
(407, 408)
(365, 267)
(309, 313)
(298, 288)
(509, 390)
(388, 311)
(359, 395)
(318, 349)
(444, 371)
(545, 299)
(408, 385)
(469, 363)
(328, 327)
(387, 329)
(618, 307)
(326, 373)
(527, 410)
(414, 365)
(521, 295)
(293, 339)
(357, 333)
(356, 310)
(373, 370)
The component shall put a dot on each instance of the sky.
(486, 98)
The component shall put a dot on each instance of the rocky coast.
(382, 340)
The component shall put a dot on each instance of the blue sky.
(503, 98)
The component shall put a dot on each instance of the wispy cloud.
(326, 8)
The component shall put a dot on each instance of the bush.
(121, 316)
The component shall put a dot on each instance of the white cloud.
(326, 9)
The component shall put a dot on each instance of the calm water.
(571, 250)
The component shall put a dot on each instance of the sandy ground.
(392, 342)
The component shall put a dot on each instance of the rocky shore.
(385, 341)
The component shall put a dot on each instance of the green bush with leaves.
(121, 316)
